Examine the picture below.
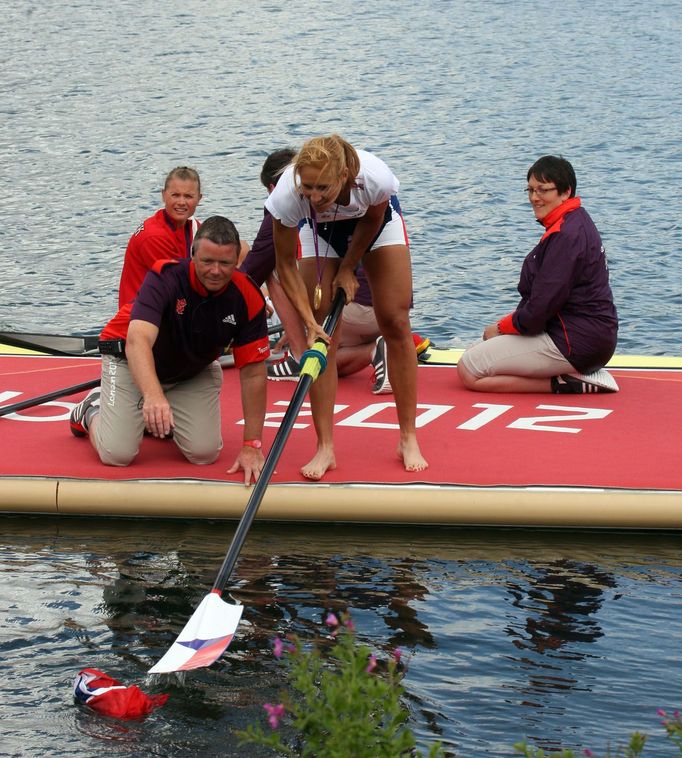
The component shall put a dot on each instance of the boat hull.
(590, 461)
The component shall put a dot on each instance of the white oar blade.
(205, 636)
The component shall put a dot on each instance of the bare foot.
(410, 454)
(323, 461)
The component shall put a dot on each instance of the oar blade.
(205, 636)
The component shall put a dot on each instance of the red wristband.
(257, 444)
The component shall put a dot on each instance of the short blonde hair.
(183, 173)
(330, 154)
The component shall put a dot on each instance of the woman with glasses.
(564, 329)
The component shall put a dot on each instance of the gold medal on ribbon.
(317, 297)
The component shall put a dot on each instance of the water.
(562, 638)
(565, 638)
(100, 100)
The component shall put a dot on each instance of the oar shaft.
(273, 456)
(261, 485)
(41, 345)
(31, 402)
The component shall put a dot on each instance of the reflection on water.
(505, 633)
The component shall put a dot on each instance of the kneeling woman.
(564, 330)
(343, 205)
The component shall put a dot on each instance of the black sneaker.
(78, 420)
(584, 384)
(380, 364)
(285, 370)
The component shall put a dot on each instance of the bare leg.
(289, 317)
(390, 277)
(323, 390)
(359, 331)
(503, 383)
(353, 358)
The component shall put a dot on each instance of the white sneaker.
(597, 381)
(80, 417)
(285, 370)
(380, 364)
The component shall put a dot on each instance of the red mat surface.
(625, 440)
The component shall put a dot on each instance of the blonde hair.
(330, 154)
(184, 173)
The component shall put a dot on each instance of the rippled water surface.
(568, 639)
(99, 100)
(564, 638)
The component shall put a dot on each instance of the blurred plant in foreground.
(345, 704)
(348, 703)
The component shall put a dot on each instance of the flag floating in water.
(204, 638)
(109, 697)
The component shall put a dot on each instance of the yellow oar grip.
(314, 360)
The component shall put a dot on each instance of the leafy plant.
(345, 703)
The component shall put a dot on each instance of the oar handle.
(304, 382)
(49, 396)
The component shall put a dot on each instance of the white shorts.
(334, 236)
(516, 355)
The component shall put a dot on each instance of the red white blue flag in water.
(109, 697)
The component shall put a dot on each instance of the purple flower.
(275, 713)
(278, 647)
(588, 753)
(397, 654)
(349, 625)
(331, 620)
(372, 664)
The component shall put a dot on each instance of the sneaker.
(285, 370)
(78, 420)
(421, 344)
(583, 384)
(381, 384)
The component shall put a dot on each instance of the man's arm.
(158, 416)
(253, 379)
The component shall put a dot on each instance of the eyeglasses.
(540, 191)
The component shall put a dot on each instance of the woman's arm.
(366, 230)
(286, 248)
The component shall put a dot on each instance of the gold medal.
(317, 297)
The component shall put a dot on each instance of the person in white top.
(343, 205)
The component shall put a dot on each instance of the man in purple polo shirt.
(564, 330)
(159, 367)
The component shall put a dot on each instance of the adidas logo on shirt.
(230, 320)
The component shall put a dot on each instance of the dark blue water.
(569, 639)
(100, 100)
(564, 638)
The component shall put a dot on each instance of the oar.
(40, 343)
(213, 624)
(49, 396)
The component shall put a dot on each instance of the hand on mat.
(158, 416)
(251, 461)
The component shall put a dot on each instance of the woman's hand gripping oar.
(213, 624)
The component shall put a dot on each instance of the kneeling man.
(159, 367)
